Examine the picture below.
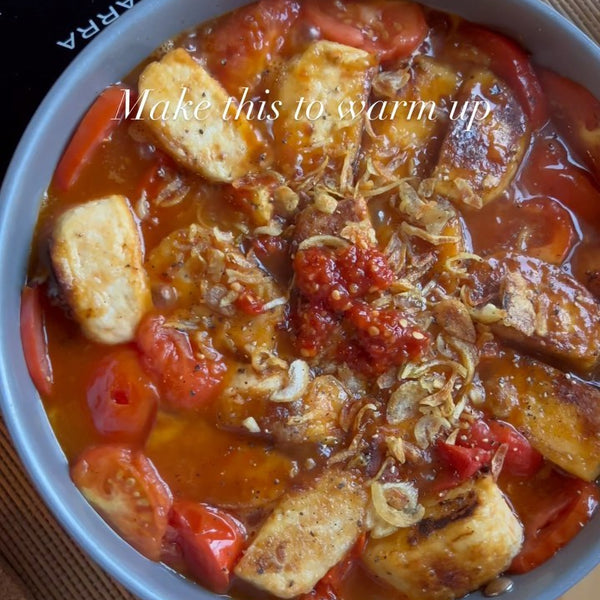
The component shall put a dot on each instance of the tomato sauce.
(550, 211)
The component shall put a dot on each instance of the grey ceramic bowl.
(554, 42)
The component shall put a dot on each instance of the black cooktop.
(39, 40)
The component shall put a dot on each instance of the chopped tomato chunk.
(389, 29)
(244, 43)
(211, 542)
(185, 379)
(122, 398)
(123, 485)
(476, 447)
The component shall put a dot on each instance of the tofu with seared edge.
(468, 536)
(410, 129)
(203, 135)
(333, 75)
(97, 258)
(477, 164)
(309, 532)
(558, 413)
(545, 310)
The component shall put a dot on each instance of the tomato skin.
(125, 488)
(184, 381)
(510, 62)
(96, 127)
(557, 518)
(576, 112)
(389, 29)
(211, 542)
(121, 397)
(33, 339)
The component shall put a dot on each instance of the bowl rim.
(29, 427)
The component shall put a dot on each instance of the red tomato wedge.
(185, 380)
(510, 62)
(33, 339)
(121, 397)
(560, 507)
(96, 127)
(125, 488)
(211, 542)
(243, 44)
(576, 112)
(391, 29)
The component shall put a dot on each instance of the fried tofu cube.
(467, 537)
(546, 311)
(326, 78)
(413, 119)
(97, 257)
(190, 114)
(309, 532)
(559, 415)
(477, 164)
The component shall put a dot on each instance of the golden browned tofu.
(185, 109)
(309, 532)
(545, 310)
(315, 418)
(558, 414)
(97, 259)
(467, 537)
(330, 74)
(408, 134)
(476, 165)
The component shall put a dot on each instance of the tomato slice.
(576, 112)
(96, 127)
(33, 339)
(549, 173)
(211, 542)
(185, 380)
(510, 62)
(242, 45)
(121, 397)
(390, 29)
(539, 227)
(125, 488)
(559, 508)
